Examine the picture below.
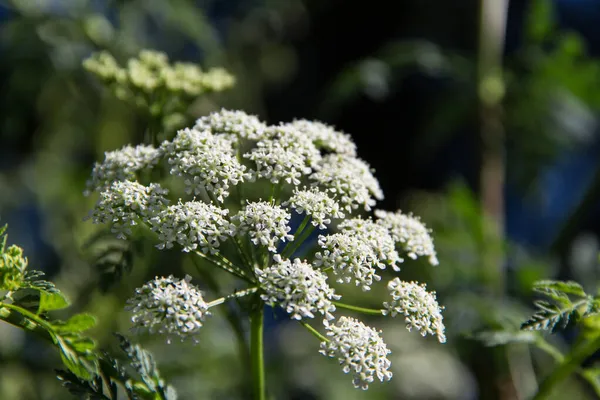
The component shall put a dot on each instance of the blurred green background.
(483, 123)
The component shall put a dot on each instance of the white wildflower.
(121, 165)
(205, 161)
(350, 258)
(359, 349)
(419, 307)
(297, 288)
(265, 223)
(169, 306)
(184, 77)
(123, 204)
(284, 155)
(377, 237)
(412, 235)
(316, 204)
(192, 225)
(236, 123)
(325, 136)
(349, 180)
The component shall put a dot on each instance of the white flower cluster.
(316, 204)
(191, 225)
(266, 224)
(151, 71)
(236, 123)
(412, 235)
(297, 287)
(349, 180)
(419, 307)
(123, 204)
(205, 161)
(325, 137)
(121, 165)
(359, 350)
(377, 238)
(349, 258)
(169, 306)
(284, 155)
(357, 251)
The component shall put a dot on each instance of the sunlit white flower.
(236, 123)
(266, 224)
(359, 349)
(124, 203)
(284, 155)
(349, 180)
(377, 237)
(121, 165)
(316, 204)
(412, 235)
(297, 287)
(169, 306)
(419, 307)
(205, 161)
(325, 136)
(192, 225)
(350, 259)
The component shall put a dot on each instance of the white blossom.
(121, 165)
(192, 225)
(325, 136)
(359, 349)
(377, 237)
(350, 258)
(297, 287)
(419, 307)
(349, 180)
(412, 235)
(205, 161)
(284, 155)
(169, 306)
(236, 123)
(125, 202)
(266, 224)
(317, 204)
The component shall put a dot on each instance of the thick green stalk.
(570, 364)
(257, 352)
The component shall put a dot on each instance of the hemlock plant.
(277, 207)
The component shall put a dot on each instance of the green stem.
(314, 332)
(363, 310)
(257, 352)
(238, 294)
(298, 241)
(232, 269)
(25, 320)
(569, 365)
(297, 233)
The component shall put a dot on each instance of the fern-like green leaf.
(82, 389)
(559, 289)
(550, 316)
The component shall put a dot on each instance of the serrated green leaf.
(550, 316)
(568, 287)
(77, 323)
(83, 389)
(50, 301)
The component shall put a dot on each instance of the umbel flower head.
(359, 350)
(169, 306)
(276, 207)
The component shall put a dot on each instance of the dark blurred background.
(485, 124)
